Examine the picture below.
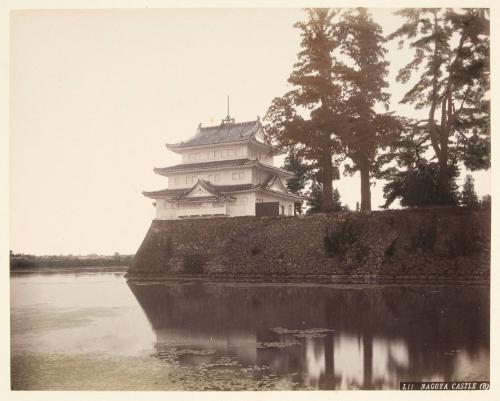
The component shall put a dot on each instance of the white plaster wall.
(163, 213)
(212, 153)
(259, 176)
(169, 213)
(224, 177)
(244, 205)
(257, 152)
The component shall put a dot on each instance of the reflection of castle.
(378, 337)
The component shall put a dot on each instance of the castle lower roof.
(224, 133)
(216, 191)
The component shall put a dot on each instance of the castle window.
(238, 176)
(213, 177)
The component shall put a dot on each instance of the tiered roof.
(227, 132)
(203, 166)
(216, 191)
(224, 133)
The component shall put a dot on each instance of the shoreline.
(309, 280)
(68, 269)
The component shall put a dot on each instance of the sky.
(96, 94)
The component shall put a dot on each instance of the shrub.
(425, 236)
(193, 263)
(463, 241)
(342, 237)
(255, 250)
(391, 249)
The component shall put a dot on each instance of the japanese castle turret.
(226, 170)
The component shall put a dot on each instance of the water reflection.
(324, 337)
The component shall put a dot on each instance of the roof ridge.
(213, 161)
(231, 124)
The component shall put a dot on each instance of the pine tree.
(451, 59)
(364, 75)
(302, 173)
(310, 117)
(315, 199)
(469, 197)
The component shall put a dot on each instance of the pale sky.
(95, 95)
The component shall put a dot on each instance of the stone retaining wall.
(435, 245)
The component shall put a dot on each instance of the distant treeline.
(25, 261)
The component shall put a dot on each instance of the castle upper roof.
(223, 133)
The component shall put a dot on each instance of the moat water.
(95, 331)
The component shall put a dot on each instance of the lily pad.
(276, 344)
(315, 332)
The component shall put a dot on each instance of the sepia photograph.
(249, 199)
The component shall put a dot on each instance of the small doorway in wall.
(267, 209)
(282, 209)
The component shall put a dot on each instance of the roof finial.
(228, 119)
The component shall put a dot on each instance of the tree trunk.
(327, 196)
(366, 200)
(444, 184)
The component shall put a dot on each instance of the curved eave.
(175, 147)
(284, 194)
(160, 171)
(202, 199)
(277, 170)
(180, 198)
(274, 150)
(155, 195)
(255, 163)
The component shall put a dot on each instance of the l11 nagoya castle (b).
(226, 170)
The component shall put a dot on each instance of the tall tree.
(451, 61)
(364, 74)
(302, 174)
(310, 116)
(469, 196)
(301, 170)
(315, 199)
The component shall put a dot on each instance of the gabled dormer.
(202, 189)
